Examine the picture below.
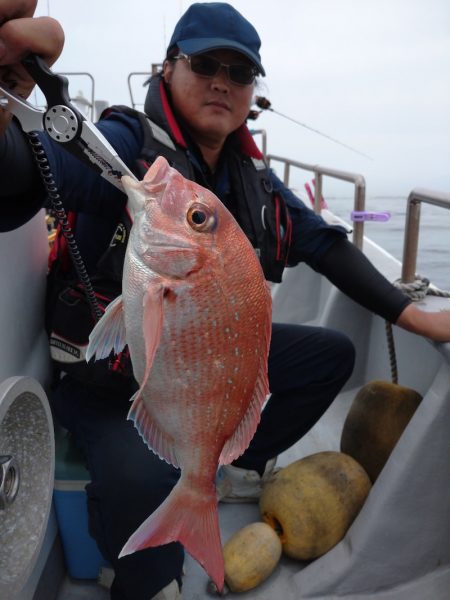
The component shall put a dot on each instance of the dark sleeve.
(350, 271)
(21, 190)
(81, 188)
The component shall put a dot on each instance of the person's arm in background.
(349, 269)
(326, 249)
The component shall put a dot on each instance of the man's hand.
(434, 325)
(20, 34)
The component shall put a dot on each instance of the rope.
(391, 350)
(61, 216)
(417, 290)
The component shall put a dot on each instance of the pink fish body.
(196, 315)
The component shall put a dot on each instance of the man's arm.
(21, 194)
(21, 34)
(326, 249)
(346, 267)
(352, 272)
(21, 190)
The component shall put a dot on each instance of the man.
(197, 108)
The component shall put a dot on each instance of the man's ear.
(167, 70)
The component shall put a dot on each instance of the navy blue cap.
(213, 26)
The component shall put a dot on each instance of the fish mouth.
(161, 248)
(161, 241)
(170, 246)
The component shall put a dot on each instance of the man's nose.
(221, 79)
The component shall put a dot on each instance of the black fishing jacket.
(261, 213)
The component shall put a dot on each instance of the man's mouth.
(218, 104)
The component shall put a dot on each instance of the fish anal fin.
(189, 518)
(158, 441)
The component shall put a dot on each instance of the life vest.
(261, 213)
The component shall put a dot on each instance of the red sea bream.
(196, 315)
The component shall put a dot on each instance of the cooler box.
(83, 558)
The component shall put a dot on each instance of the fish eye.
(201, 218)
(198, 217)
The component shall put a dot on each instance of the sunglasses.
(207, 66)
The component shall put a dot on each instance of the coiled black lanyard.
(60, 214)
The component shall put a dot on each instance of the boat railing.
(412, 224)
(85, 105)
(319, 172)
(142, 76)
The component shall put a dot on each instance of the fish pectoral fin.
(156, 439)
(109, 333)
(152, 324)
(239, 441)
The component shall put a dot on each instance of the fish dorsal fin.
(109, 333)
(241, 438)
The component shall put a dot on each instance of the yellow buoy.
(377, 418)
(312, 502)
(250, 555)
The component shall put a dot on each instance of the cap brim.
(203, 44)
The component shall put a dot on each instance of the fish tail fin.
(192, 520)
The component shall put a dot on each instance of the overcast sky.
(373, 74)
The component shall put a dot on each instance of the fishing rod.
(265, 104)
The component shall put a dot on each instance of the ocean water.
(433, 255)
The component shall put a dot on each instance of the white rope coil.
(419, 288)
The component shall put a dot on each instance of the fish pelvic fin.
(153, 316)
(159, 442)
(109, 333)
(189, 518)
